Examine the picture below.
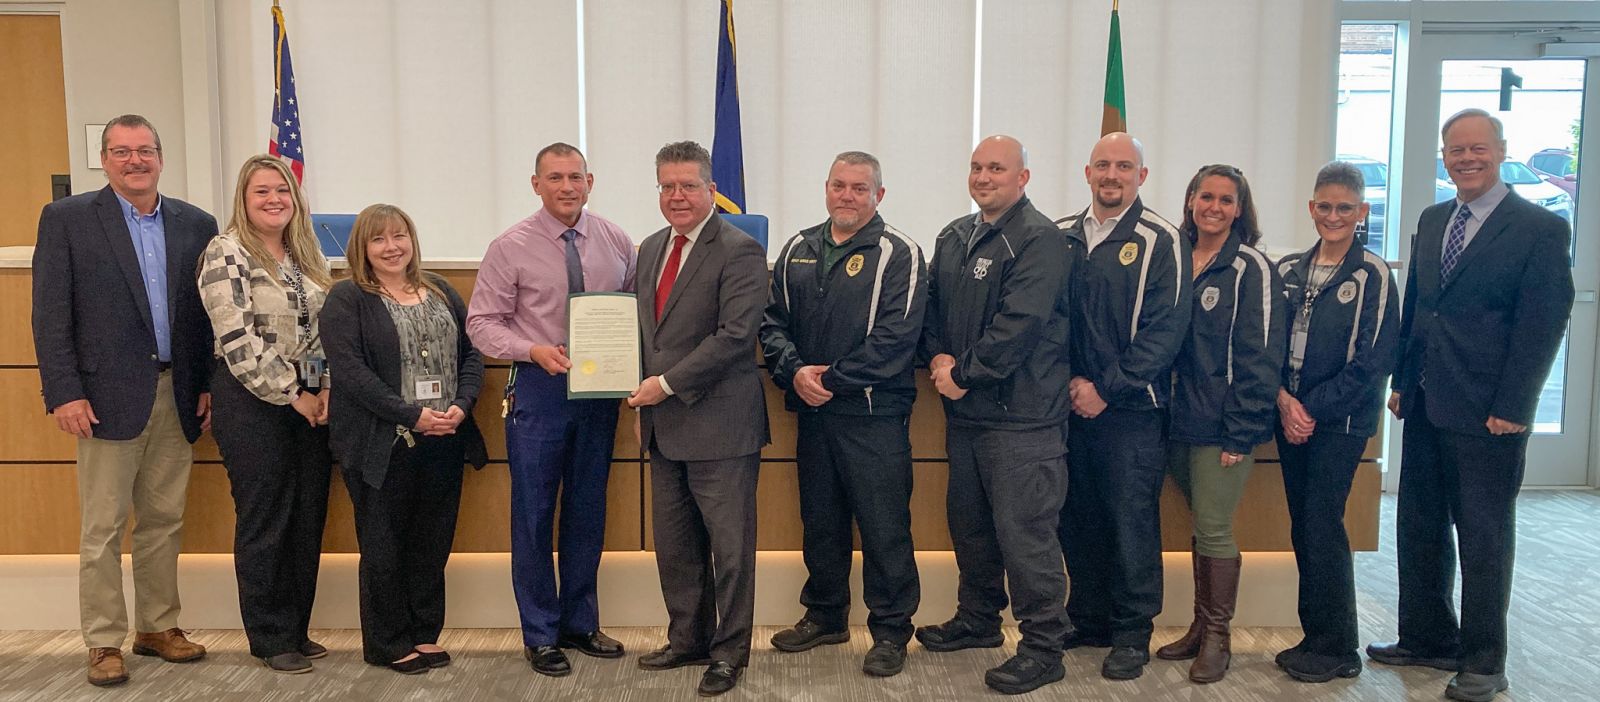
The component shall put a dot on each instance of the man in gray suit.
(703, 418)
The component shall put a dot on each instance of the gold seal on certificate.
(603, 344)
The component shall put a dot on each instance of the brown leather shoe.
(171, 645)
(105, 667)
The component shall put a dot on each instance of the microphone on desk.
(336, 245)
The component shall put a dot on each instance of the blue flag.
(727, 147)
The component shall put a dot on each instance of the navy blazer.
(363, 349)
(1488, 334)
(91, 315)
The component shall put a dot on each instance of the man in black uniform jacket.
(1131, 310)
(840, 335)
(996, 340)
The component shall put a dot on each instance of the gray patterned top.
(255, 315)
(427, 349)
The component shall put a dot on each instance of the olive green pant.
(1213, 494)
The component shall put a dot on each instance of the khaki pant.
(148, 476)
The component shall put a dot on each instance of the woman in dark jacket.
(1224, 381)
(401, 428)
(1343, 344)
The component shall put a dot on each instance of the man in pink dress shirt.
(519, 313)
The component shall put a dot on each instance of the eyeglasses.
(1344, 209)
(685, 189)
(147, 153)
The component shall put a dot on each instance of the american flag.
(284, 139)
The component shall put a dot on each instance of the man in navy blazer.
(1487, 297)
(124, 351)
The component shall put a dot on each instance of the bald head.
(1116, 170)
(998, 174)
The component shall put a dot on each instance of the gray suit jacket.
(704, 345)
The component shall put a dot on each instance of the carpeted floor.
(1554, 628)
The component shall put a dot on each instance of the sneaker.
(807, 634)
(886, 659)
(1023, 674)
(1312, 667)
(957, 634)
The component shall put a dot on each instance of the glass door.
(1543, 97)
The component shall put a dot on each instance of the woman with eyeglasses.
(1224, 380)
(1343, 344)
(263, 281)
(402, 428)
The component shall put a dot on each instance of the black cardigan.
(363, 350)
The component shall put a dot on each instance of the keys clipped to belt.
(404, 433)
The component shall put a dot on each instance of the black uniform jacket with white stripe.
(1226, 378)
(1352, 343)
(1131, 307)
(999, 302)
(862, 319)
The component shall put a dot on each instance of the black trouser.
(1316, 483)
(1111, 524)
(1005, 495)
(853, 466)
(1472, 481)
(279, 468)
(704, 518)
(405, 528)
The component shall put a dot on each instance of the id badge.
(1297, 346)
(312, 369)
(430, 387)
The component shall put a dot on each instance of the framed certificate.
(603, 344)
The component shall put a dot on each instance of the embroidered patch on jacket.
(1347, 291)
(853, 266)
(981, 271)
(1209, 298)
(1129, 252)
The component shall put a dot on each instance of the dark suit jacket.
(705, 345)
(91, 315)
(1488, 334)
(363, 350)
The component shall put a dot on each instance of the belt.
(163, 366)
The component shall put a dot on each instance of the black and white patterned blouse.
(427, 350)
(264, 319)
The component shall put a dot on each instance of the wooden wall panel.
(38, 509)
(29, 434)
(34, 113)
(16, 318)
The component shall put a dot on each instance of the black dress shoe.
(1082, 639)
(410, 666)
(886, 659)
(1124, 663)
(1392, 653)
(1023, 674)
(1313, 667)
(1475, 687)
(807, 634)
(958, 634)
(312, 649)
(594, 643)
(665, 658)
(436, 659)
(547, 660)
(719, 678)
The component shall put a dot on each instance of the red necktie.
(669, 274)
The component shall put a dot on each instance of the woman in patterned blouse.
(402, 428)
(263, 281)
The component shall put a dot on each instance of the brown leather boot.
(1222, 590)
(105, 667)
(1189, 646)
(171, 645)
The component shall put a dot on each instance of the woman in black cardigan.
(401, 428)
